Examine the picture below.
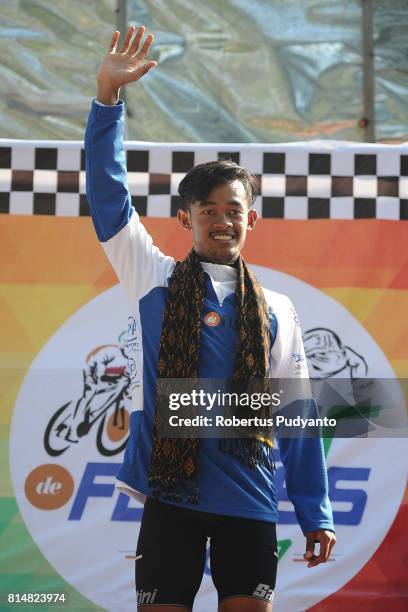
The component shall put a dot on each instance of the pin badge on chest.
(212, 319)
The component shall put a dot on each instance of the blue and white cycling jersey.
(225, 484)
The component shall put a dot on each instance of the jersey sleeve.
(302, 456)
(138, 263)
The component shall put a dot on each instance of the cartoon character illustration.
(339, 381)
(105, 391)
(327, 356)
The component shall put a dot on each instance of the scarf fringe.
(252, 452)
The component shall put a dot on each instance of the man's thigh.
(244, 560)
(173, 547)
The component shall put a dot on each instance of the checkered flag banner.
(299, 180)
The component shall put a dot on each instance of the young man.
(205, 317)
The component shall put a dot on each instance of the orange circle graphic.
(49, 486)
(120, 429)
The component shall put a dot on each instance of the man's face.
(219, 224)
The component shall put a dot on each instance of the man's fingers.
(114, 42)
(324, 551)
(310, 542)
(145, 49)
(134, 47)
(331, 546)
(310, 546)
(126, 43)
(133, 54)
(316, 559)
(322, 557)
(326, 541)
(144, 69)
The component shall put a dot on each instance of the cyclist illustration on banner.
(105, 392)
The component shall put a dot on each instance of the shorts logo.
(212, 319)
(264, 591)
(146, 597)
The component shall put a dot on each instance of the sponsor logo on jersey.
(212, 319)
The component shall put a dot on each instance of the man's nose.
(222, 221)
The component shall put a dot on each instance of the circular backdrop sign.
(70, 427)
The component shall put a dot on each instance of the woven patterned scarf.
(175, 461)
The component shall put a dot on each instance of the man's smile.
(222, 236)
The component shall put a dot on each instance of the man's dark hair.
(202, 179)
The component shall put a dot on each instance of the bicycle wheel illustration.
(55, 440)
(113, 432)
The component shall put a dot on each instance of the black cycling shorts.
(173, 541)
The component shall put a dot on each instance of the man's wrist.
(108, 96)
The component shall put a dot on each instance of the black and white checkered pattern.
(318, 180)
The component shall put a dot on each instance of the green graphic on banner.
(283, 547)
(23, 569)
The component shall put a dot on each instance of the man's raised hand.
(124, 66)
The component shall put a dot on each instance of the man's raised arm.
(138, 264)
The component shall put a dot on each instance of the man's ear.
(184, 218)
(252, 217)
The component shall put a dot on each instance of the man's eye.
(208, 211)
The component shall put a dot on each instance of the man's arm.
(303, 457)
(138, 263)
